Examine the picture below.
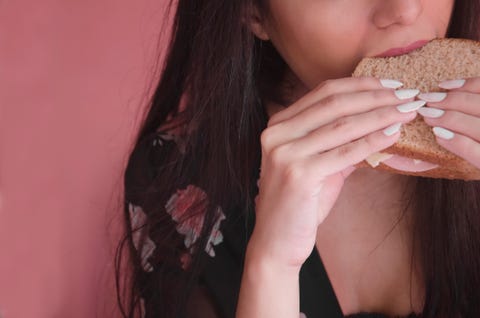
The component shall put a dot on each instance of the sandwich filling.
(399, 162)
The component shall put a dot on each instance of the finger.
(340, 158)
(348, 129)
(333, 87)
(461, 145)
(465, 102)
(471, 84)
(454, 121)
(331, 109)
(348, 171)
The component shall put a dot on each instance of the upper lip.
(403, 50)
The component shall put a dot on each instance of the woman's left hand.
(455, 117)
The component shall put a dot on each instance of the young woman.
(242, 196)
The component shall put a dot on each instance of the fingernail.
(406, 93)
(443, 133)
(392, 130)
(452, 84)
(431, 112)
(433, 97)
(388, 83)
(412, 106)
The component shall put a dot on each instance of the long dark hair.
(215, 78)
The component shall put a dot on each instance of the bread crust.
(423, 69)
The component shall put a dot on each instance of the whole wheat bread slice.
(424, 69)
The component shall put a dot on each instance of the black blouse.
(223, 277)
(223, 271)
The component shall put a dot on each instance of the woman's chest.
(371, 269)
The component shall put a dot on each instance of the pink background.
(73, 81)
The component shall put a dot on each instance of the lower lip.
(403, 50)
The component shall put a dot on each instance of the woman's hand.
(455, 117)
(309, 149)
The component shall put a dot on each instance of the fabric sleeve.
(154, 213)
(150, 156)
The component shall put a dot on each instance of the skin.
(310, 147)
(301, 30)
(461, 117)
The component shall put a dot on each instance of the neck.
(380, 194)
(366, 245)
(370, 206)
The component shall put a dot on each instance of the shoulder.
(152, 156)
(159, 195)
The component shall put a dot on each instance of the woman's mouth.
(403, 50)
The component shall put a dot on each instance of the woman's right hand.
(309, 149)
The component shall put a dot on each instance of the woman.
(243, 173)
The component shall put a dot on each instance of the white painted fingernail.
(388, 83)
(431, 112)
(433, 97)
(406, 93)
(392, 130)
(443, 133)
(452, 84)
(412, 106)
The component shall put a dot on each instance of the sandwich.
(417, 152)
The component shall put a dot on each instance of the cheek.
(439, 12)
(324, 50)
(322, 39)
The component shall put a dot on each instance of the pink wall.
(72, 78)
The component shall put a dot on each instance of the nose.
(400, 12)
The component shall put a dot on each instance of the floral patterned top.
(226, 244)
